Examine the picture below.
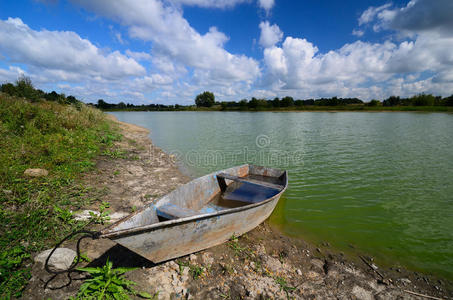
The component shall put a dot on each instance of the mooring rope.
(87, 234)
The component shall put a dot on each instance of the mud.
(262, 264)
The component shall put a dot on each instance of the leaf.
(145, 295)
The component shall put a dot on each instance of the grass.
(36, 212)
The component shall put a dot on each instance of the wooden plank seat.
(250, 191)
(171, 211)
(222, 176)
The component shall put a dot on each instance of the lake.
(379, 183)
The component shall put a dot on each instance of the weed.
(116, 172)
(194, 270)
(114, 153)
(103, 215)
(108, 283)
(281, 281)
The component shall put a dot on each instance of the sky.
(168, 51)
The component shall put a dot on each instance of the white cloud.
(210, 3)
(270, 34)
(266, 4)
(357, 32)
(173, 38)
(370, 14)
(62, 51)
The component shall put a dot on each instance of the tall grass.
(63, 139)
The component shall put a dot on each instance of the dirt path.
(262, 264)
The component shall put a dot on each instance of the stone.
(192, 257)
(299, 272)
(36, 172)
(61, 259)
(207, 259)
(361, 293)
(273, 264)
(85, 215)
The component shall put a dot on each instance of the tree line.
(206, 101)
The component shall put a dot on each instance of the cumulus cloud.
(173, 38)
(62, 51)
(270, 34)
(367, 69)
(266, 4)
(210, 3)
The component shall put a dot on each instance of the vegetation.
(58, 134)
(206, 101)
(108, 283)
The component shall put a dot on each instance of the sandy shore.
(263, 264)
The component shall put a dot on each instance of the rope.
(87, 234)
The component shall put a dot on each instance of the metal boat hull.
(161, 241)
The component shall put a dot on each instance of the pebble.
(192, 257)
(299, 272)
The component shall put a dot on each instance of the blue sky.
(168, 51)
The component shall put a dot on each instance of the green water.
(379, 181)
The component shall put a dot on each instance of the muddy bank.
(259, 265)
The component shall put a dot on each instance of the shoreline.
(261, 263)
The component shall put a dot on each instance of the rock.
(273, 264)
(207, 259)
(192, 257)
(317, 264)
(85, 215)
(36, 172)
(299, 272)
(61, 259)
(405, 281)
(361, 293)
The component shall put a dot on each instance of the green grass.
(36, 212)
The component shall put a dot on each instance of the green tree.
(24, 88)
(287, 101)
(205, 99)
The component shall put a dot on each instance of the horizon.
(168, 51)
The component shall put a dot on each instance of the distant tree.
(24, 88)
(287, 101)
(423, 100)
(52, 96)
(8, 88)
(392, 101)
(276, 102)
(205, 99)
(253, 103)
(71, 99)
(102, 104)
(121, 105)
(449, 101)
(374, 103)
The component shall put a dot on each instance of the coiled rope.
(87, 234)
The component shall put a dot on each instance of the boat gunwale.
(170, 223)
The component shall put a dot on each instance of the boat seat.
(250, 190)
(171, 211)
(222, 176)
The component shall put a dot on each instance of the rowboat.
(202, 213)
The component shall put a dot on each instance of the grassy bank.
(64, 139)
